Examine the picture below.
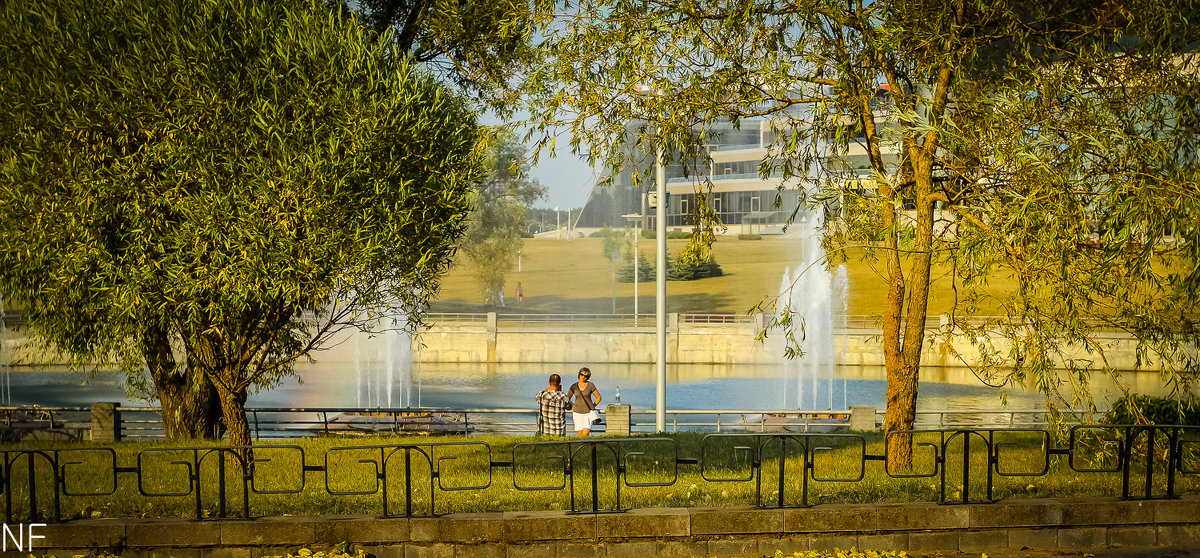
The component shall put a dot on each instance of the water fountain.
(383, 368)
(816, 301)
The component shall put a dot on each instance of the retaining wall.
(732, 343)
(1078, 525)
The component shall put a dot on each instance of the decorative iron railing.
(409, 479)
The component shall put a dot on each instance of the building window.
(683, 206)
(717, 204)
(755, 204)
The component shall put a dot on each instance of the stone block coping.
(1059, 525)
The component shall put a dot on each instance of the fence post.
(492, 329)
(617, 419)
(862, 417)
(106, 422)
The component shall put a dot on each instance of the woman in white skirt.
(583, 408)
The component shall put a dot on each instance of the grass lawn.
(535, 480)
(571, 276)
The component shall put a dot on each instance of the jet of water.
(813, 297)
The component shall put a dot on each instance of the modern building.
(743, 199)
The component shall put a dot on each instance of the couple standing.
(552, 403)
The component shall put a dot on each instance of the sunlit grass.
(571, 276)
(536, 479)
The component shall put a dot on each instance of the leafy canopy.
(248, 176)
(1054, 142)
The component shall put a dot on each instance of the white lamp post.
(660, 281)
(636, 219)
(660, 291)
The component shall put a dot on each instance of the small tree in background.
(211, 189)
(499, 204)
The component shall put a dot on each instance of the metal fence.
(145, 423)
(850, 322)
(858, 323)
(409, 479)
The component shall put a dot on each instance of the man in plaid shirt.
(552, 405)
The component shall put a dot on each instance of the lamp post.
(660, 291)
(660, 280)
(636, 219)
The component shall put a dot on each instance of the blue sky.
(567, 178)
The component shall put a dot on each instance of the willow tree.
(1049, 142)
(479, 46)
(211, 189)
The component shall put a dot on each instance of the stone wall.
(732, 343)
(1077, 525)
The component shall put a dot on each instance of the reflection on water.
(482, 386)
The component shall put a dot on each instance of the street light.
(636, 219)
(660, 291)
(660, 280)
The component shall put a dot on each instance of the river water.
(512, 386)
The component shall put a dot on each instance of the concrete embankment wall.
(1076, 525)
(488, 341)
(731, 343)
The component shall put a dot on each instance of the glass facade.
(751, 200)
(744, 207)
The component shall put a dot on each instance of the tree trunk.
(904, 357)
(190, 408)
(233, 413)
(189, 411)
(900, 414)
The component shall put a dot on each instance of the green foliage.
(839, 553)
(234, 179)
(498, 208)
(671, 235)
(1148, 409)
(615, 241)
(644, 267)
(686, 268)
(683, 268)
(744, 236)
(338, 552)
(958, 134)
(608, 231)
(483, 47)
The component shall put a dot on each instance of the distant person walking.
(520, 293)
(552, 408)
(583, 409)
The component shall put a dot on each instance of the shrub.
(674, 235)
(690, 270)
(749, 237)
(1156, 410)
(645, 270)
